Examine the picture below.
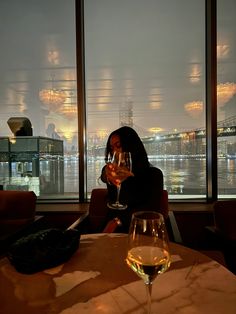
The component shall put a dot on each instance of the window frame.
(210, 94)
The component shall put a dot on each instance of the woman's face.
(115, 144)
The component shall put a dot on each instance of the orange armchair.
(17, 207)
(223, 233)
(98, 210)
(17, 211)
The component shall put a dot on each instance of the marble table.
(97, 280)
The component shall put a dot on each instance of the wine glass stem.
(118, 194)
(149, 296)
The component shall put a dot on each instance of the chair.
(17, 211)
(17, 206)
(98, 210)
(224, 230)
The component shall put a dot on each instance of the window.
(145, 66)
(38, 81)
(226, 98)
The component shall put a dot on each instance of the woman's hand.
(115, 175)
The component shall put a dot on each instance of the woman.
(142, 189)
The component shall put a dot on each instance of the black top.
(143, 191)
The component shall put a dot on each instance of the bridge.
(224, 128)
(188, 143)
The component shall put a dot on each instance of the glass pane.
(38, 81)
(226, 97)
(145, 65)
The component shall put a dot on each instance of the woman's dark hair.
(130, 142)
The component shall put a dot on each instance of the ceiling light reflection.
(69, 111)
(155, 104)
(195, 74)
(53, 57)
(155, 130)
(52, 98)
(194, 108)
(225, 91)
(222, 51)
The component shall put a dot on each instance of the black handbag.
(43, 249)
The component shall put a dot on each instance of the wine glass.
(123, 167)
(148, 253)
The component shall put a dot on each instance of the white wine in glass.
(123, 163)
(148, 253)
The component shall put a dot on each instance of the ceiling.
(148, 55)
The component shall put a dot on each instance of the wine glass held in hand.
(148, 252)
(119, 170)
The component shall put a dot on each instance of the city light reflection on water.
(183, 178)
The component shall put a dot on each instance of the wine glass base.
(117, 205)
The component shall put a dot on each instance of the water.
(182, 177)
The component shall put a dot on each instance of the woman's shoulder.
(150, 173)
(155, 174)
(154, 170)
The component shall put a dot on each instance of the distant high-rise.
(126, 113)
